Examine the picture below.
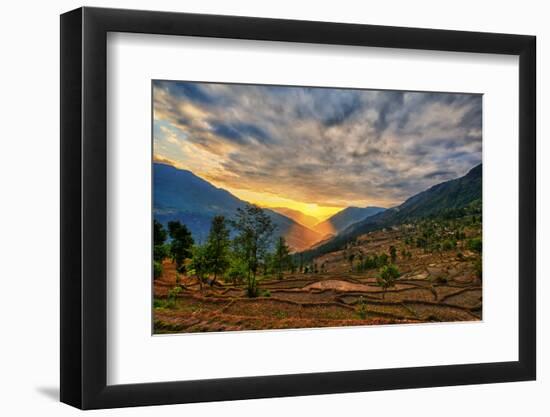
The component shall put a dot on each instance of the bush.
(157, 269)
(475, 245)
(362, 309)
(382, 260)
(478, 268)
(172, 296)
(448, 245)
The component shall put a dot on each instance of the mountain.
(181, 195)
(437, 200)
(345, 218)
(297, 216)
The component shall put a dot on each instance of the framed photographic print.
(294, 207)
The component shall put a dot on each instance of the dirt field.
(432, 287)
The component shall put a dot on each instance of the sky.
(316, 150)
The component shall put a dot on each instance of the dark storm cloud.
(327, 146)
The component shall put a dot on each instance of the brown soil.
(433, 287)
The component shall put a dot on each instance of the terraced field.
(432, 287)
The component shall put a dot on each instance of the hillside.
(437, 200)
(181, 195)
(297, 216)
(338, 222)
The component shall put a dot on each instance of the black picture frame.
(84, 207)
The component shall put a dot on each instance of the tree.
(387, 277)
(382, 260)
(217, 247)
(393, 254)
(237, 269)
(255, 230)
(182, 241)
(199, 263)
(282, 257)
(351, 257)
(159, 248)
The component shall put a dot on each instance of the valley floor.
(432, 287)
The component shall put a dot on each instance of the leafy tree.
(382, 260)
(282, 257)
(393, 254)
(255, 230)
(159, 248)
(387, 277)
(200, 263)
(217, 247)
(182, 241)
(157, 269)
(237, 269)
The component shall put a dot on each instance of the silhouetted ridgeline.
(439, 200)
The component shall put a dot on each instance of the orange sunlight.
(272, 200)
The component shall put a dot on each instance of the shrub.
(475, 245)
(157, 269)
(172, 296)
(447, 245)
(393, 254)
(382, 260)
(478, 268)
(362, 309)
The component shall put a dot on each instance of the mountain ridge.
(181, 195)
(448, 195)
(339, 221)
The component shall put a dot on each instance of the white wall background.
(29, 218)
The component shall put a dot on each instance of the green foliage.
(382, 260)
(180, 246)
(217, 247)
(281, 258)
(172, 296)
(157, 269)
(160, 250)
(238, 270)
(475, 245)
(159, 233)
(200, 263)
(388, 274)
(478, 268)
(393, 254)
(255, 230)
(448, 245)
(351, 257)
(362, 309)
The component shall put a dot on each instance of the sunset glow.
(315, 150)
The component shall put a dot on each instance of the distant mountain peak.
(344, 218)
(181, 195)
(453, 194)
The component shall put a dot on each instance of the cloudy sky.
(316, 150)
